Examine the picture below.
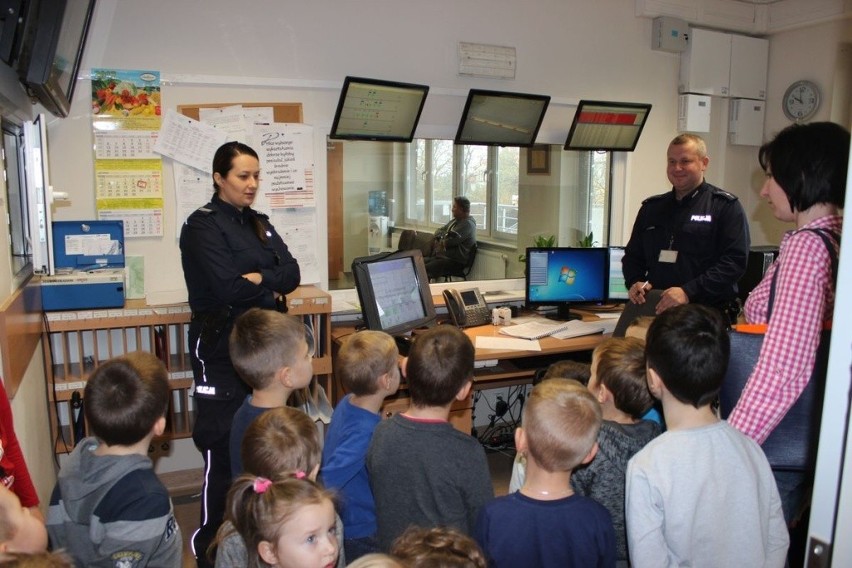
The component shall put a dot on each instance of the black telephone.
(467, 308)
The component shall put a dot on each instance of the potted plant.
(587, 241)
(540, 241)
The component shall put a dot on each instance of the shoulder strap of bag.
(829, 238)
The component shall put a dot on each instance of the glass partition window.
(512, 201)
(16, 197)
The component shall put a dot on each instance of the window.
(13, 169)
(491, 178)
(511, 202)
(487, 176)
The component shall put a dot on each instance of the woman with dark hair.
(232, 260)
(805, 184)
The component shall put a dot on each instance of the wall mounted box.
(745, 126)
(693, 113)
(89, 259)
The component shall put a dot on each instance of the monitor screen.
(393, 290)
(603, 125)
(564, 276)
(372, 109)
(497, 118)
(617, 286)
(51, 50)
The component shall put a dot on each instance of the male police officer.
(691, 242)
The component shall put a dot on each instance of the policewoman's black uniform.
(219, 243)
(709, 231)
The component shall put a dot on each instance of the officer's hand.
(254, 277)
(671, 298)
(636, 293)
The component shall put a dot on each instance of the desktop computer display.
(617, 286)
(562, 276)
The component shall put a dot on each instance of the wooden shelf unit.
(76, 342)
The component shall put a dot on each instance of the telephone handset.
(467, 308)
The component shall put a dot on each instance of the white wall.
(569, 50)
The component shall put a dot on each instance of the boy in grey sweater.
(423, 471)
(109, 508)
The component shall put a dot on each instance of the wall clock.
(801, 100)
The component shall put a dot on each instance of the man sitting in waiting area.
(454, 241)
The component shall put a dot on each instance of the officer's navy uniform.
(219, 243)
(709, 231)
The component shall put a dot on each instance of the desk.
(513, 368)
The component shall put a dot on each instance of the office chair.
(464, 271)
(633, 311)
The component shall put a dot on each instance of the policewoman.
(232, 260)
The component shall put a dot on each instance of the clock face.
(801, 100)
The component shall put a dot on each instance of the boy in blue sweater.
(368, 367)
(546, 524)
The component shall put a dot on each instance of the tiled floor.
(185, 496)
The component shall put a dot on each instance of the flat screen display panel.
(497, 118)
(563, 275)
(372, 109)
(603, 125)
(617, 286)
(393, 289)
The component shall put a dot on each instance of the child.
(701, 493)
(288, 523)
(423, 471)
(566, 369)
(618, 382)
(438, 547)
(36, 560)
(108, 506)
(368, 367)
(377, 560)
(281, 443)
(272, 354)
(545, 524)
(20, 530)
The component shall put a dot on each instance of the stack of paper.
(560, 330)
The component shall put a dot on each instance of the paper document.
(507, 344)
(560, 330)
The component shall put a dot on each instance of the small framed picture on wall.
(538, 160)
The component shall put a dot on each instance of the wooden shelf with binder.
(76, 342)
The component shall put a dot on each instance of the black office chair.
(633, 311)
(463, 271)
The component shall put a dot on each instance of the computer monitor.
(498, 118)
(393, 289)
(617, 285)
(373, 109)
(605, 125)
(562, 277)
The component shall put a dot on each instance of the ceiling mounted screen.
(496, 118)
(372, 109)
(603, 125)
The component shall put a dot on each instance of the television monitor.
(372, 109)
(10, 28)
(604, 125)
(51, 50)
(393, 290)
(617, 287)
(497, 118)
(562, 277)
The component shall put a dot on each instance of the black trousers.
(219, 393)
